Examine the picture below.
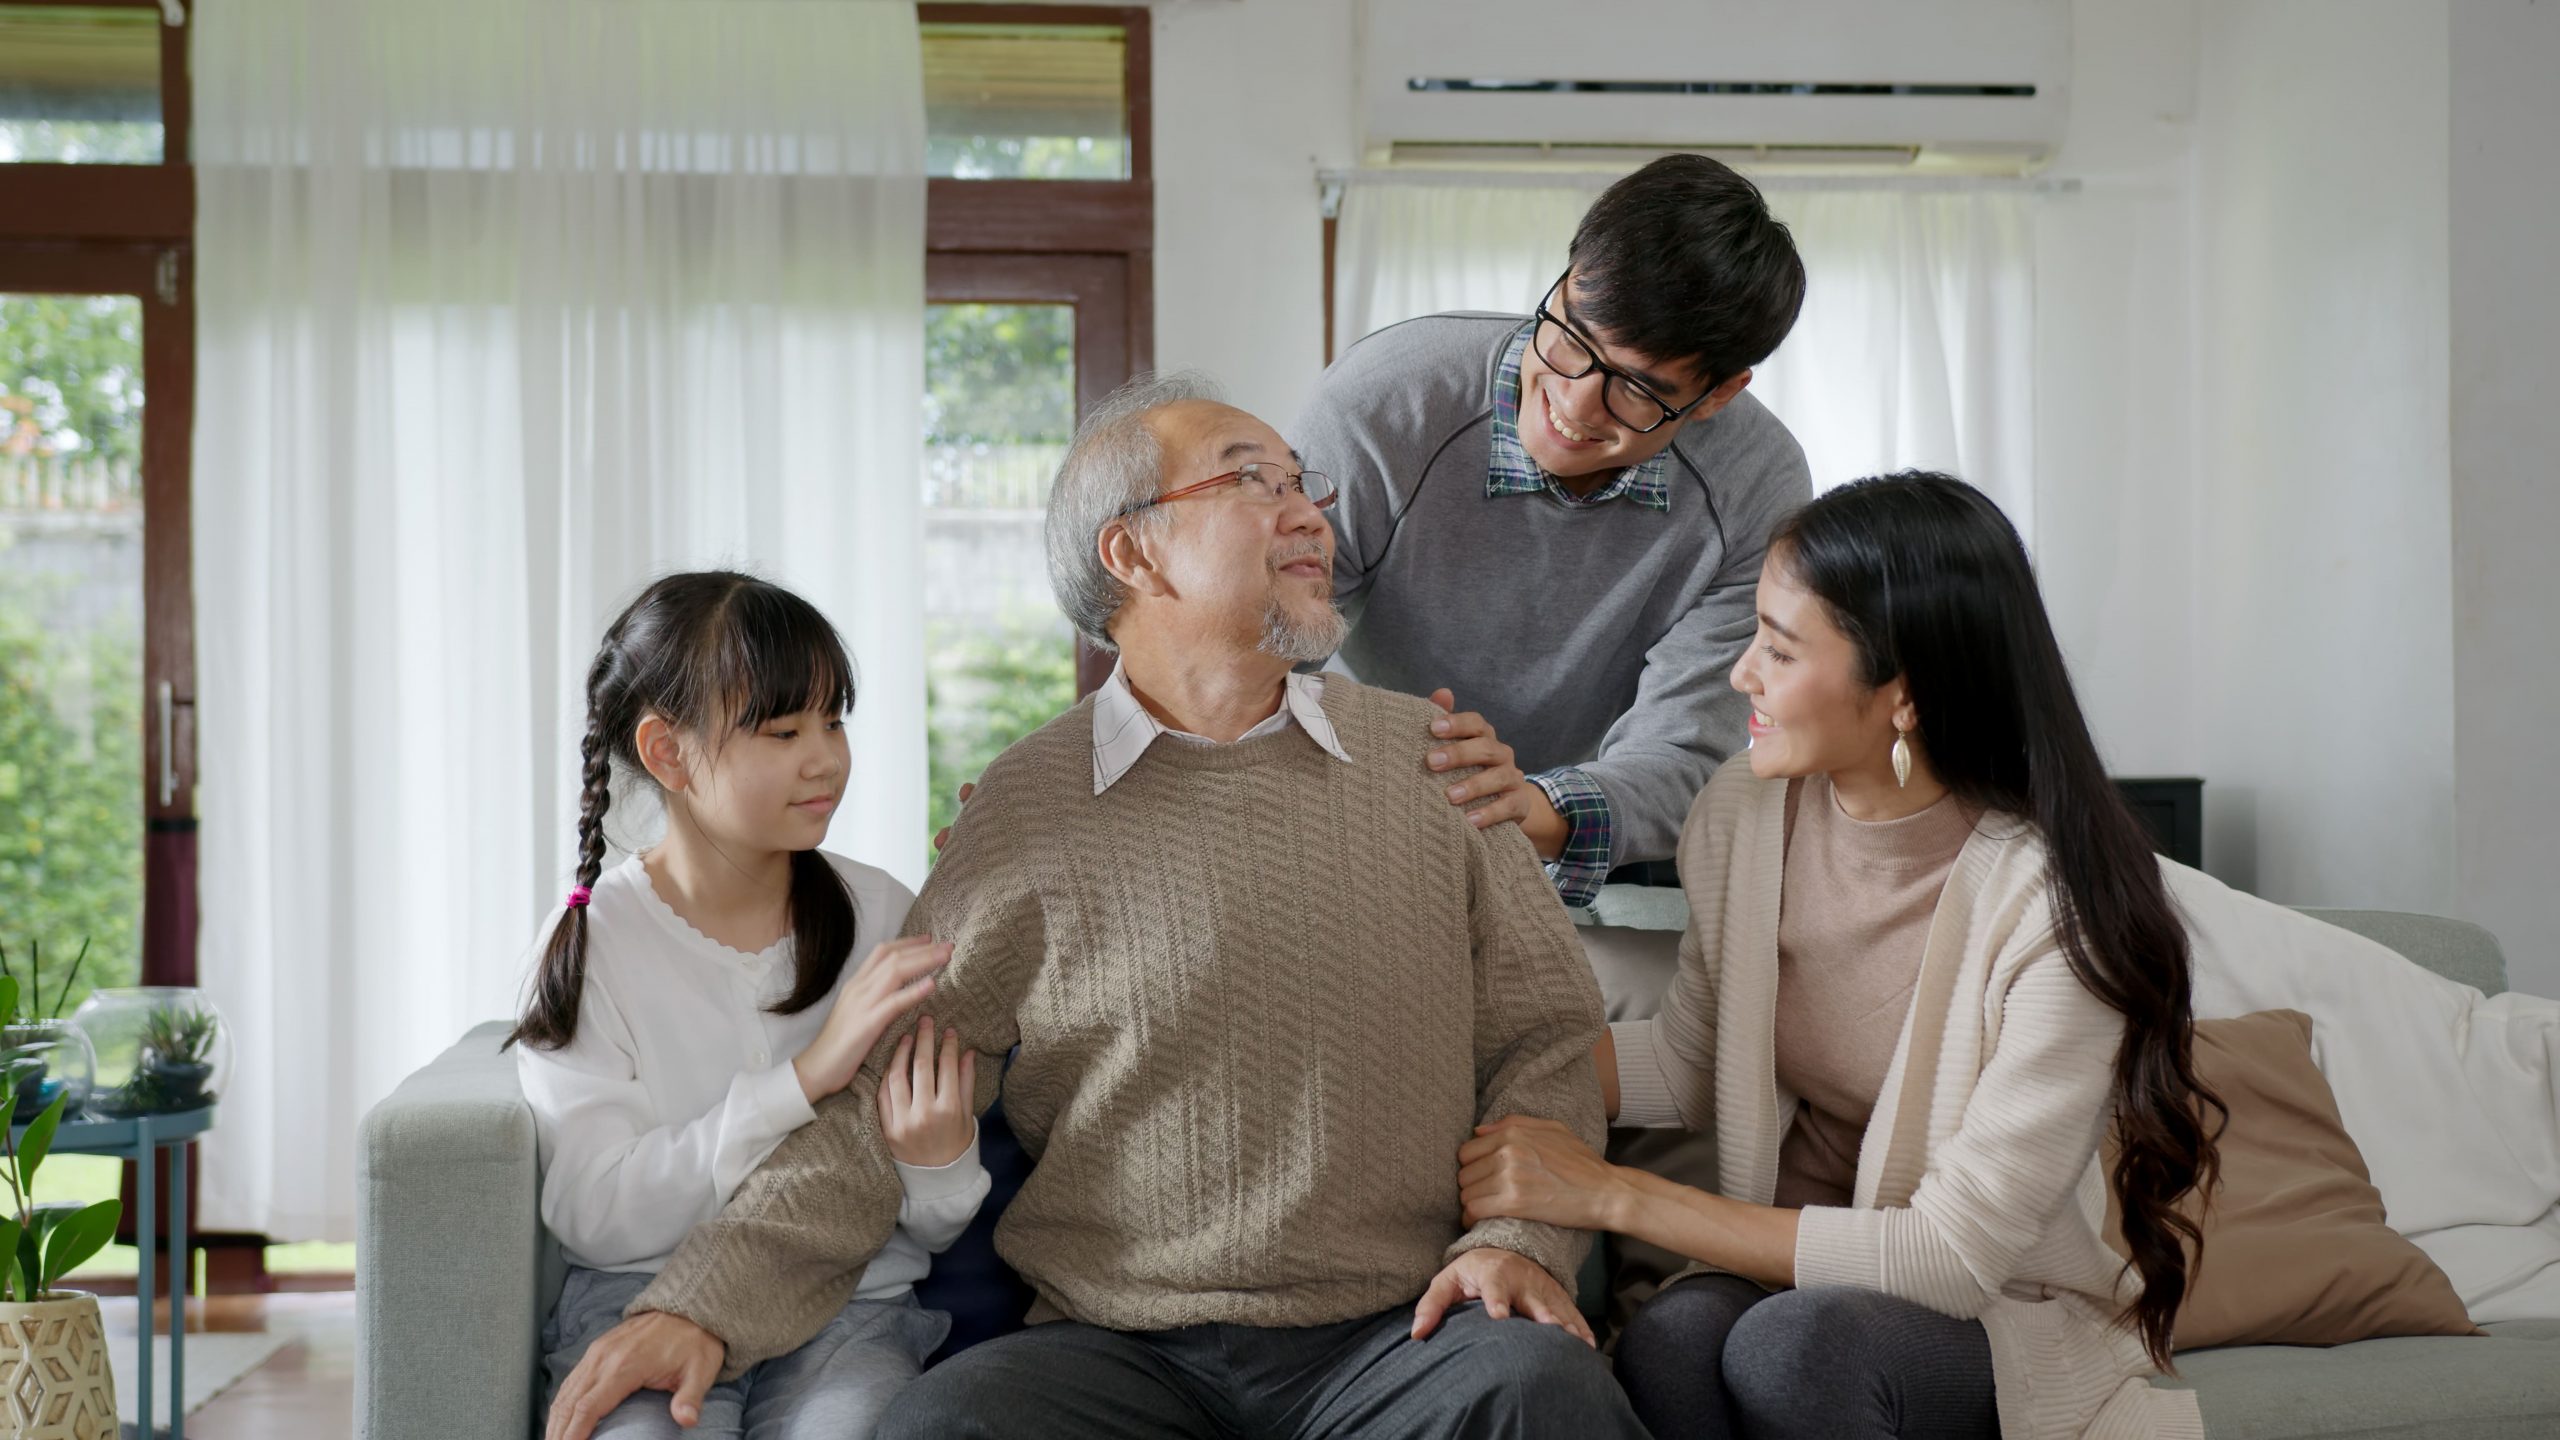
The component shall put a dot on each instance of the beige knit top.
(1978, 1190)
(1855, 916)
(1262, 997)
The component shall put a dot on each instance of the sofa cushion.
(2296, 1249)
(2505, 1386)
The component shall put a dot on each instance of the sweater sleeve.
(618, 1189)
(773, 1267)
(1537, 1017)
(1667, 1062)
(1687, 717)
(938, 1201)
(2026, 1138)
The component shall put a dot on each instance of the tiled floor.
(306, 1391)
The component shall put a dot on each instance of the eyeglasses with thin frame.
(1629, 401)
(1261, 482)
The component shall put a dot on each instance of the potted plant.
(177, 1060)
(160, 1049)
(63, 1062)
(53, 1349)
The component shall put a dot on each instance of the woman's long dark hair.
(1930, 581)
(710, 652)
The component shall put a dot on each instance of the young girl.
(694, 1003)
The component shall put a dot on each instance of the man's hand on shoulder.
(942, 837)
(651, 1351)
(1508, 1283)
(1464, 738)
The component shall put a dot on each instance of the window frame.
(124, 229)
(1088, 243)
(120, 229)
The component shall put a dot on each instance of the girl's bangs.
(781, 657)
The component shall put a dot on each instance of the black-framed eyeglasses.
(1629, 400)
(1261, 482)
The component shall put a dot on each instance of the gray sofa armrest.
(2455, 949)
(454, 1272)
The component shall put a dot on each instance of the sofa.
(455, 1274)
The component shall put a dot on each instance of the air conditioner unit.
(1953, 84)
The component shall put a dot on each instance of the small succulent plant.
(180, 1035)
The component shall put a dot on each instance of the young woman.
(1930, 958)
(694, 1004)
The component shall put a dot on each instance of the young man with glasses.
(1560, 517)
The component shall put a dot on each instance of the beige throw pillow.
(2296, 1250)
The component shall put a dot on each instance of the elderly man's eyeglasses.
(1264, 484)
(1628, 400)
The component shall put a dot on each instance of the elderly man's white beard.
(1301, 641)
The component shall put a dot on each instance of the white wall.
(2323, 681)
(1252, 98)
(2506, 494)
(2115, 404)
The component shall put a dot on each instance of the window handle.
(169, 705)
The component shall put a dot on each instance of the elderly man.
(1265, 981)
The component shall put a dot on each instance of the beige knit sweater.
(1979, 1193)
(1262, 997)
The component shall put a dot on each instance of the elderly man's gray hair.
(1114, 462)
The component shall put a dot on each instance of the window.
(1040, 284)
(1026, 101)
(97, 393)
(80, 84)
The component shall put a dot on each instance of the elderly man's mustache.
(1305, 550)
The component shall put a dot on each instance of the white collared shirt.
(1122, 728)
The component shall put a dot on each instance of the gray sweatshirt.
(1594, 638)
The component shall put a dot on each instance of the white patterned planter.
(54, 1380)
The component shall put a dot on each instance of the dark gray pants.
(1475, 1377)
(1718, 1356)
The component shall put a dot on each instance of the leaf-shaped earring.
(1902, 758)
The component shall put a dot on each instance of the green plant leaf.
(30, 1268)
(8, 999)
(79, 1236)
(45, 1214)
(9, 1283)
(38, 1142)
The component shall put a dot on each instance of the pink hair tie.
(578, 897)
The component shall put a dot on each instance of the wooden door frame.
(1088, 243)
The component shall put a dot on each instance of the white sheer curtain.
(1915, 348)
(505, 306)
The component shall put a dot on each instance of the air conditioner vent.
(1716, 87)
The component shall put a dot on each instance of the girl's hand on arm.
(894, 980)
(928, 1100)
(1524, 1168)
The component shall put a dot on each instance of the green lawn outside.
(87, 1178)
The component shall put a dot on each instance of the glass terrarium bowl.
(64, 1066)
(161, 1049)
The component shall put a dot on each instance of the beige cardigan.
(1979, 1193)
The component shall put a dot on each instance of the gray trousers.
(1475, 1377)
(832, 1388)
(1718, 1356)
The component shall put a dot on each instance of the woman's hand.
(1523, 1168)
(897, 978)
(928, 1106)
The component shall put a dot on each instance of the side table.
(136, 1138)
